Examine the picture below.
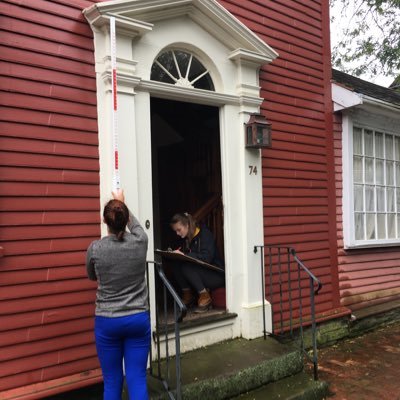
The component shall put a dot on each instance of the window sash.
(375, 185)
(181, 68)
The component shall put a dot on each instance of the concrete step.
(237, 369)
(297, 387)
(228, 369)
(198, 330)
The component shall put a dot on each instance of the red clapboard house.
(190, 75)
(49, 196)
(367, 164)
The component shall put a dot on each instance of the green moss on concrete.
(365, 324)
(297, 387)
(327, 333)
(332, 331)
(227, 369)
(364, 321)
(246, 379)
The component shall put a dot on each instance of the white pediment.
(139, 16)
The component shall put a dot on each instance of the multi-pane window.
(376, 185)
(181, 68)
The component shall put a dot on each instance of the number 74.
(252, 170)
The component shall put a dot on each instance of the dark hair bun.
(116, 216)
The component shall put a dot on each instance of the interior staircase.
(244, 369)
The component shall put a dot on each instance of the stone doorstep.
(227, 369)
(193, 320)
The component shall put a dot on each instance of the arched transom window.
(182, 69)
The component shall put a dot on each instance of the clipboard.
(169, 255)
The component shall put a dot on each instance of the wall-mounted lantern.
(258, 132)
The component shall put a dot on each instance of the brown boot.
(204, 302)
(187, 297)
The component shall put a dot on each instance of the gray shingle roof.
(366, 88)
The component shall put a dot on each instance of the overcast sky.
(337, 27)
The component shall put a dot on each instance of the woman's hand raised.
(118, 195)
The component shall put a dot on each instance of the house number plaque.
(252, 170)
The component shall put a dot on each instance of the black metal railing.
(162, 332)
(288, 278)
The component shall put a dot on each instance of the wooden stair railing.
(211, 214)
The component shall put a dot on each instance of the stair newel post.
(314, 329)
(300, 307)
(315, 287)
(158, 339)
(148, 301)
(263, 291)
(262, 269)
(177, 354)
(271, 294)
(289, 267)
(280, 290)
(167, 358)
(179, 309)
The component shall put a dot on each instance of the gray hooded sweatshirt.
(119, 268)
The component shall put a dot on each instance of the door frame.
(184, 127)
(233, 54)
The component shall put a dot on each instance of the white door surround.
(233, 55)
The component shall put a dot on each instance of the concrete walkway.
(364, 368)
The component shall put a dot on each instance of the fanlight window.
(181, 69)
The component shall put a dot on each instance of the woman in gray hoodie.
(122, 321)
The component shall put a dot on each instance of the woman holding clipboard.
(196, 242)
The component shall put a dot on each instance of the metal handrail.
(182, 308)
(285, 257)
(309, 273)
(180, 311)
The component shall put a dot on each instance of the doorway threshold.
(194, 320)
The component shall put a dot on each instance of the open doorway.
(186, 165)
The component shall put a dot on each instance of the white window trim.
(348, 121)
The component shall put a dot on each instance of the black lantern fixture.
(258, 132)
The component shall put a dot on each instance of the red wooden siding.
(299, 197)
(49, 174)
(367, 277)
(49, 192)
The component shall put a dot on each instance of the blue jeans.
(123, 339)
